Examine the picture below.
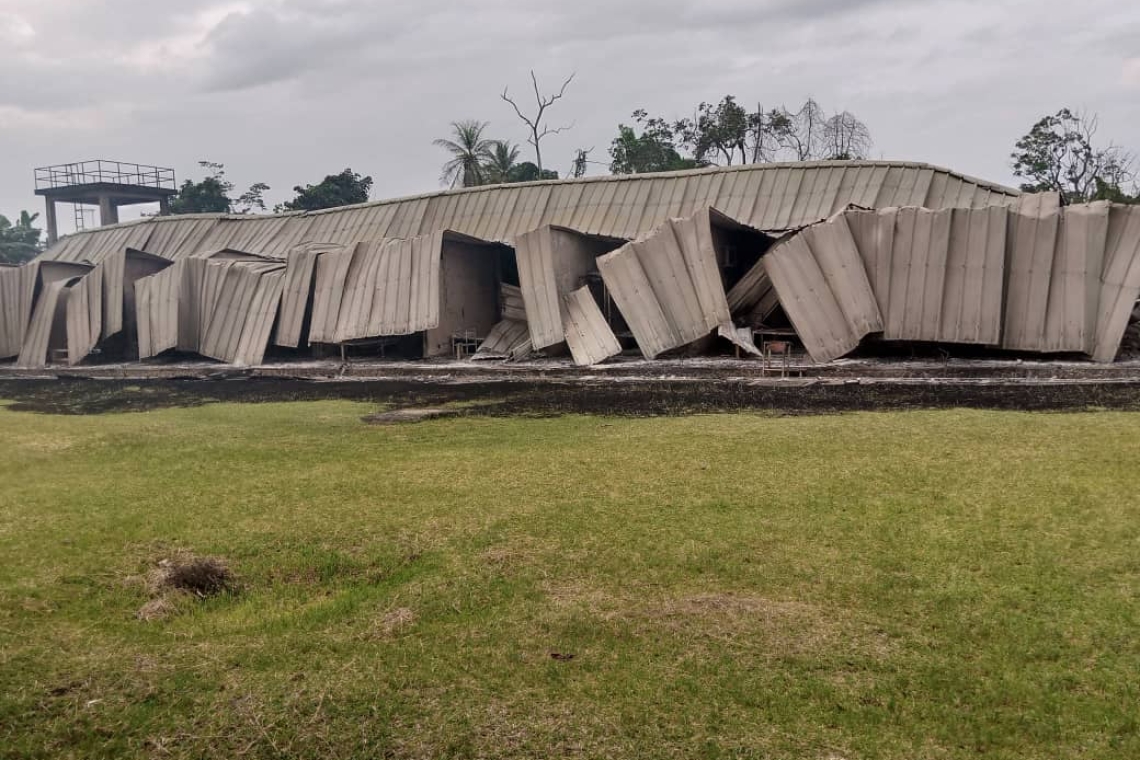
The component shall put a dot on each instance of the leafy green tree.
(528, 171)
(654, 150)
(335, 190)
(212, 194)
(1059, 154)
(502, 162)
(470, 153)
(252, 200)
(209, 196)
(19, 242)
(717, 134)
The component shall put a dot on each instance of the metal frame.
(101, 171)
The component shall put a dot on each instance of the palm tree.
(469, 152)
(503, 161)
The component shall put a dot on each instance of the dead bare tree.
(534, 123)
(846, 138)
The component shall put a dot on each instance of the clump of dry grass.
(201, 576)
(395, 620)
(184, 574)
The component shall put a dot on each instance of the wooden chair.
(778, 350)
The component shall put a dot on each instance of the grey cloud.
(285, 91)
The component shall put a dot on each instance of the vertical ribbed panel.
(587, 334)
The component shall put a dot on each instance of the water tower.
(106, 184)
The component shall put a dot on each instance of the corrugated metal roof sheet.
(115, 276)
(763, 196)
(240, 301)
(668, 284)
(587, 334)
(508, 339)
(156, 310)
(936, 275)
(1120, 287)
(85, 314)
(391, 288)
(33, 354)
(823, 288)
(300, 275)
(49, 316)
(1031, 245)
(17, 291)
(552, 262)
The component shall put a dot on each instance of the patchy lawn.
(944, 584)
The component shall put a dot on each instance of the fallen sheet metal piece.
(936, 275)
(552, 262)
(589, 337)
(1120, 286)
(753, 300)
(17, 294)
(513, 305)
(741, 337)
(820, 278)
(47, 329)
(668, 285)
(440, 284)
(239, 304)
(509, 339)
(298, 292)
(156, 310)
(1030, 249)
(85, 310)
(121, 269)
(212, 304)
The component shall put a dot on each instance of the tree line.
(1061, 152)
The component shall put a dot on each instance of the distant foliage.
(211, 195)
(472, 154)
(476, 160)
(654, 150)
(1059, 154)
(19, 242)
(335, 190)
(726, 133)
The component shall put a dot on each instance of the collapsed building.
(842, 254)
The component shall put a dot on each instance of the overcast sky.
(287, 91)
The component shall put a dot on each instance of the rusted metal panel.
(589, 337)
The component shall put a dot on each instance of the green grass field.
(946, 584)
